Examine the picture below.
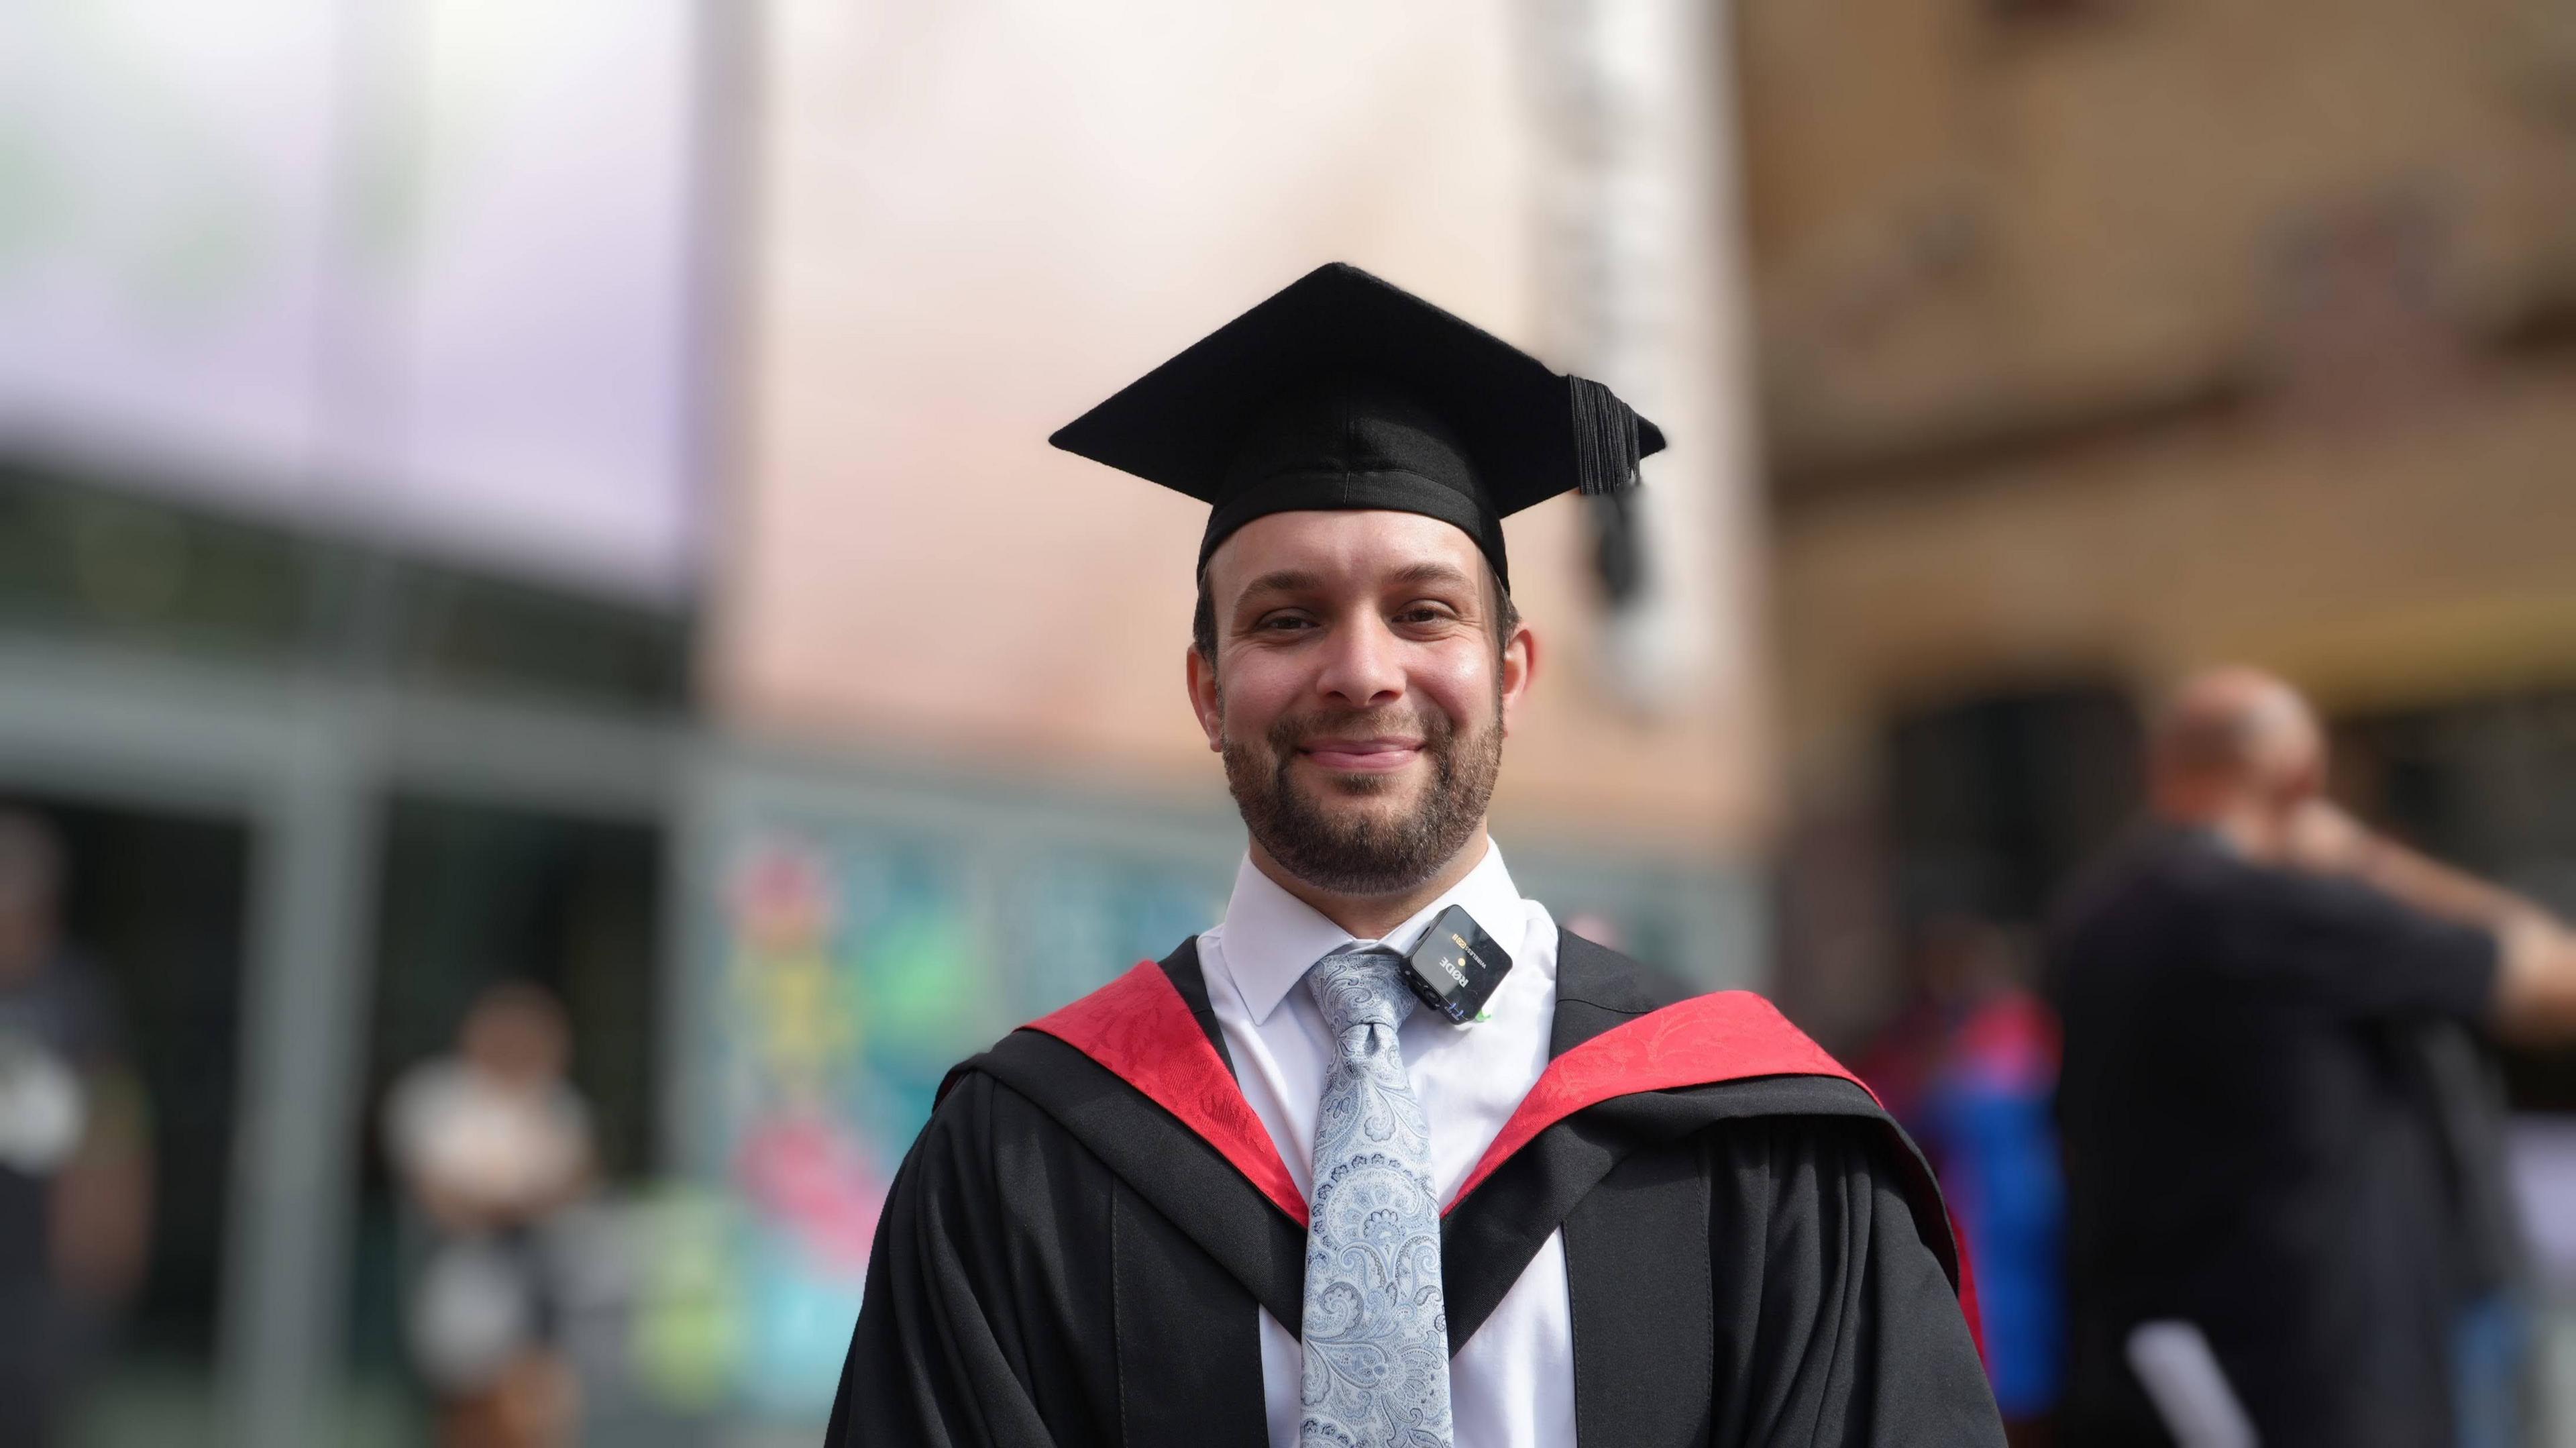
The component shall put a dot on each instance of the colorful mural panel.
(854, 966)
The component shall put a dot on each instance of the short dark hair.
(1505, 616)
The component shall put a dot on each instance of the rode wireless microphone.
(1456, 966)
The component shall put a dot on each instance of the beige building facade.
(971, 225)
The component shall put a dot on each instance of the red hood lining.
(1141, 1031)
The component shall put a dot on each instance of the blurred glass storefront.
(349, 476)
(262, 853)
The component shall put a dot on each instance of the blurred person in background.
(2267, 1220)
(1970, 1068)
(75, 1158)
(491, 1145)
(1380, 1158)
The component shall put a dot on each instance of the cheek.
(1255, 688)
(1460, 684)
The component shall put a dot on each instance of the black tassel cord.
(1605, 439)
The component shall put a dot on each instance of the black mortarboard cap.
(1343, 391)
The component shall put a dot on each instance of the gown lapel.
(1625, 1050)
(1205, 1219)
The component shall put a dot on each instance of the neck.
(1370, 917)
(2250, 829)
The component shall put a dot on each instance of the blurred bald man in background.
(2263, 1203)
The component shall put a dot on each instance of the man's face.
(515, 1040)
(1359, 694)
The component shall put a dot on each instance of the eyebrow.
(1421, 573)
(1284, 580)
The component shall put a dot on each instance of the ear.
(1519, 668)
(1201, 677)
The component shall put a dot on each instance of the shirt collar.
(1271, 938)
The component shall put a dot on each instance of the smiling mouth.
(1362, 756)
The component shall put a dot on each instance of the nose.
(1363, 664)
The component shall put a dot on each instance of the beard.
(1359, 851)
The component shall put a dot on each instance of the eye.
(1282, 623)
(1425, 613)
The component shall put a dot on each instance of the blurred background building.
(2102, 342)
(557, 492)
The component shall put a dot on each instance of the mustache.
(1433, 728)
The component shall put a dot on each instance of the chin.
(1364, 793)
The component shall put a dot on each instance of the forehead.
(1350, 547)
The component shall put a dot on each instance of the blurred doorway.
(153, 905)
(473, 894)
(1994, 802)
(1982, 807)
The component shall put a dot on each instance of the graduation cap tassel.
(1606, 451)
(1606, 446)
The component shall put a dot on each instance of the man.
(1969, 1069)
(492, 1144)
(1256, 1193)
(2256, 1182)
(75, 1155)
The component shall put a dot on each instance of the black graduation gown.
(1755, 1254)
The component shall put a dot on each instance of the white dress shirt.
(1512, 1385)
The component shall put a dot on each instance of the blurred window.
(89, 559)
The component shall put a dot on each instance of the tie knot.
(1360, 987)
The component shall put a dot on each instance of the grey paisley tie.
(1376, 1329)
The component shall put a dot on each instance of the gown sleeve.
(956, 1344)
(1844, 1330)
